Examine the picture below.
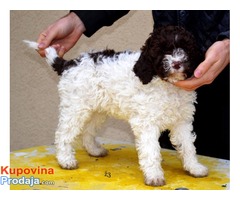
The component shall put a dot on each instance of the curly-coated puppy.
(134, 86)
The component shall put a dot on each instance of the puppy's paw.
(155, 181)
(198, 170)
(72, 164)
(98, 152)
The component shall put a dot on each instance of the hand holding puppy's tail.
(58, 64)
(51, 53)
(31, 44)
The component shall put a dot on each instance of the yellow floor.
(118, 171)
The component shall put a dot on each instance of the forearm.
(93, 20)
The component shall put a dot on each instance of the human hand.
(217, 58)
(62, 35)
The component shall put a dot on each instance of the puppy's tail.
(58, 64)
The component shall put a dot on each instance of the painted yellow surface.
(117, 171)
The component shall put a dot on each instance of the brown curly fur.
(162, 41)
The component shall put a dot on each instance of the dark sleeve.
(96, 19)
(224, 26)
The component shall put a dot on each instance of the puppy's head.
(170, 53)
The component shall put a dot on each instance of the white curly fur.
(90, 92)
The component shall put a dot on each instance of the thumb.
(45, 39)
(203, 67)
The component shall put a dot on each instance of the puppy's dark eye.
(168, 52)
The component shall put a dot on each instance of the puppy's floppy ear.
(144, 67)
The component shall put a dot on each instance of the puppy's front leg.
(149, 154)
(182, 138)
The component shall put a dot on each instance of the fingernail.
(61, 51)
(41, 45)
(197, 73)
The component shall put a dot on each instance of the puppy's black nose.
(176, 64)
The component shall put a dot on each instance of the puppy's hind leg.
(182, 138)
(71, 123)
(90, 132)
